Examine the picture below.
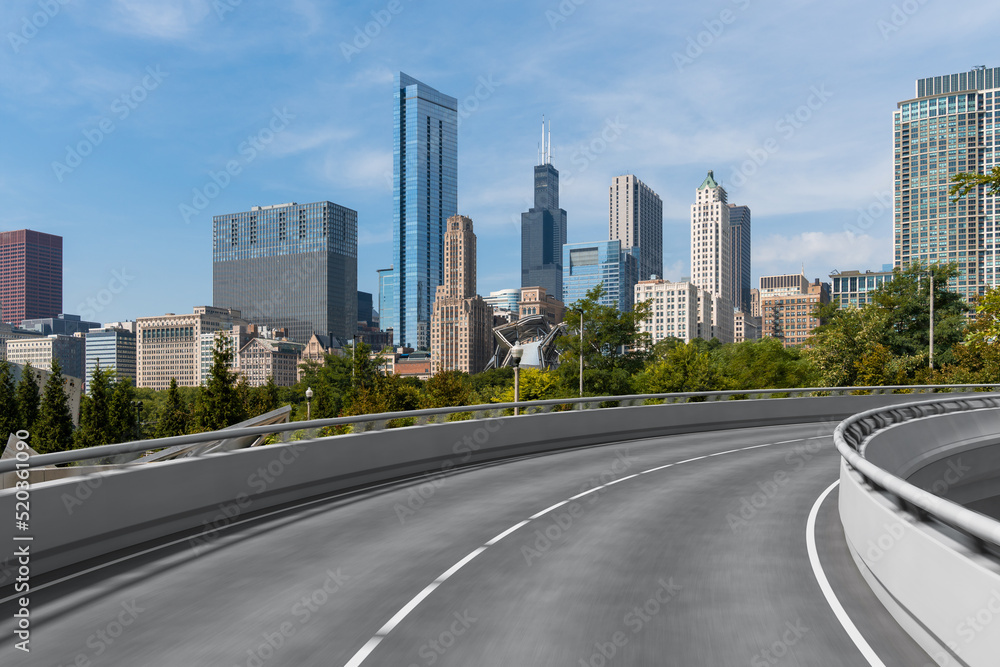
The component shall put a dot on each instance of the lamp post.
(309, 395)
(516, 353)
(580, 310)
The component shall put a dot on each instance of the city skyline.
(798, 142)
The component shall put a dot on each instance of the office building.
(535, 301)
(263, 357)
(41, 351)
(739, 232)
(386, 294)
(461, 323)
(712, 253)
(586, 265)
(110, 348)
(635, 217)
(543, 229)
(31, 275)
(745, 327)
(790, 315)
(784, 285)
(505, 299)
(66, 325)
(676, 310)
(170, 346)
(425, 196)
(366, 310)
(851, 289)
(291, 266)
(946, 129)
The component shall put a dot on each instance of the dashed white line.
(369, 646)
(824, 584)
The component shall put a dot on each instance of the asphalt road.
(700, 563)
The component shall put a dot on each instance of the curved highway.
(682, 550)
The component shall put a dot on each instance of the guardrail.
(852, 435)
(361, 423)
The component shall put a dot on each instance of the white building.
(712, 253)
(677, 310)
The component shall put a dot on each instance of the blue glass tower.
(585, 265)
(425, 195)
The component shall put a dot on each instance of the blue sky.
(164, 94)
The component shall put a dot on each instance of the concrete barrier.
(76, 519)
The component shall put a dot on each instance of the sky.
(118, 119)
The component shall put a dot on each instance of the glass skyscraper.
(947, 128)
(425, 195)
(739, 232)
(585, 265)
(543, 232)
(289, 265)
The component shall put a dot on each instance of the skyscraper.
(712, 254)
(636, 219)
(386, 295)
(944, 130)
(31, 280)
(543, 229)
(291, 266)
(425, 195)
(462, 322)
(739, 230)
(586, 265)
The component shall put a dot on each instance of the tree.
(8, 404)
(447, 388)
(174, 417)
(612, 343)
(330, 382)
(28, 400)
(53, 431)
(681, 368)
(763, 364)
(95, 410)
(963, 184)
(219, 403)
(123, 418)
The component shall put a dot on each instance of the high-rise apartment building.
(788, 311)
(947, 128)
(739, 231)
(852, 289)
(169, 346)
(635, 217)
(586, 265)
(543, 230)
(425, 195)
(676, 310)
(292, 266)
(31, 275)
(461, 323)
(712, 252)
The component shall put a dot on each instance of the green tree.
(174, 416)
(613, 347)
(330, 382)
(447, 388)
(123, 417)
(267, 397)
(28, 398)
(763, 364)
(535, 385)
(220, 404)
(680, 368)
(53, 431)
(95, 410)
(8, 404)
(963, 184)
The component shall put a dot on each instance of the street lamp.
(580, 310)
(309, 395)
(516, 353)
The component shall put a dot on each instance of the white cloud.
(164, 19)
(820, 253)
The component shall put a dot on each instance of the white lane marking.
(556, 506)
(370, 645)
(506, 533)
(459, 565)
(838, 609)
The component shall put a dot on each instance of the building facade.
(535, 301)
(31, 275)
(676, 310)
(947, 128)
(505, 299)
(425, 195)
(790, 315)
(745, 327)
(851, 289)
(169, 346)
(262, 358)
(635, 217)
(462, 322)
(69, 351)
(543, 229)
(712, 253)
(739, 232)
(66, 325)
(289, 266)
(110, 347)
(586, 265)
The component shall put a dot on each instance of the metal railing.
(361, 423)
(852, 435)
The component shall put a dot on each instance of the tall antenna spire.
(548, 151)
(541, 156)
